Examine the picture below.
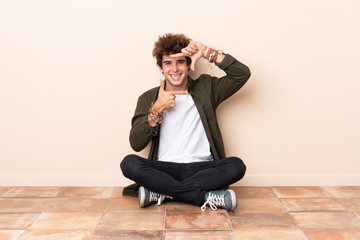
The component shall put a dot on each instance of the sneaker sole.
(141, 196)
(233, 199)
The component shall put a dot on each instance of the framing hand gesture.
(195, 50)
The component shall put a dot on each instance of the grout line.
(272, 190)
(164, 228)
(231, 227)
(329, 194)
(287, 210)
(3, 195)
(102, 216)
(62, 189)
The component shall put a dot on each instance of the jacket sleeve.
(236, 76)
(141, 132)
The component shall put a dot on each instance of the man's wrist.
(157, 107)
(213, 55)
(154, 117)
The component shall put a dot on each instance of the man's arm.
(237, 73)
(142, 132)
(236, 76)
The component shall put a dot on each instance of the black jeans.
(186, 182)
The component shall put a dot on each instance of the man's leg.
(216, 174)
(161, 177)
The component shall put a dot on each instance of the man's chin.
(175, 83)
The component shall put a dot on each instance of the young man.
(187, 160)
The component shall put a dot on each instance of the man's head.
(175, 69)
(168, 44)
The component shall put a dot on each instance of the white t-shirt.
(182, 135)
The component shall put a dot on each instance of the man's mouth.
(175, 76)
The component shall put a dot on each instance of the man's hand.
(195, 50)
(166, 99)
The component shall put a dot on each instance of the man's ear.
(160, 68)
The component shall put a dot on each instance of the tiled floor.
(94, 213)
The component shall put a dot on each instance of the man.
(187, 160)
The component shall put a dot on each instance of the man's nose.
(174, 67)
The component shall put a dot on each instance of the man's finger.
(192, 66)
(178, 92)
(177, 55)
(162, 85)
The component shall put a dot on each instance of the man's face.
(175, 70)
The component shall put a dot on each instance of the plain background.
(71, 72)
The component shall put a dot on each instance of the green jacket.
(207, 92)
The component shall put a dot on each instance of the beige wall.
(71, 72)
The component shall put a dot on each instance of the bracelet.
(156, 119)
(214, 56)
(211, 54)
(207, 51)
(155, 116)
(154, 111)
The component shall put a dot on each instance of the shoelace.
(214, 200)
(157, 197)
(161, 199)
(154, 197)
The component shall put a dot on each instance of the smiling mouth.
(175, 76)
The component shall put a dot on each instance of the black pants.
(186, 182)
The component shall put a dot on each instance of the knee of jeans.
(239, 166)
(128, 164)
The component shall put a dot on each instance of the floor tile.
(131, 221)
(262, 221)
(333, 235)
(97, 213)
(16, 221)
(175, 206)
(131, 204)
(312, 204)
(259, 205)
(270, 235)
(23, 204)
(10, 234)
(344, 192)
(300, 192)
(125, 234)
(57, 235)
(193, 221)
(352, 204)
(66, 221)
(118, 193)
(208, 235)
(33, 192)
(77, 205)
(326, 220)
(86, 192)
(253, 192)
(4, 190)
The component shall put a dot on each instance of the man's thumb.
(162, 85)
(192, 66)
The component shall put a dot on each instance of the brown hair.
(168, 44)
